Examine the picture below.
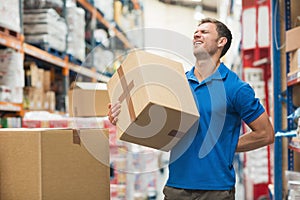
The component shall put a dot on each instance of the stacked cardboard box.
(293, 46)
(37, 93)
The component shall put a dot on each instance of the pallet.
(55, 52)
(51, 50)
(74, 60)
(11, 33)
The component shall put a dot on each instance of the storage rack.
(17, 42)
(283, 96)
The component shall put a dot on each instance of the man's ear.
(222, 41)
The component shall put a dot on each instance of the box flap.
(292, 39)
(89, 86)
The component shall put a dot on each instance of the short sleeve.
(247, 105)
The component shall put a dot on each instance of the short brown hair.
(222, 30)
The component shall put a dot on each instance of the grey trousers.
(183, 194)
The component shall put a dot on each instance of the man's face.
(205, 40)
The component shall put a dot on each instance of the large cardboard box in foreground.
(54, 164)
(88, 99)
(157, 105)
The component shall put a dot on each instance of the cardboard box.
(293, 46)
(88, 99)
(47, 80)
(33, 98)
(292, 39)
(295, 60)
(158, 107)
(49, 101)
(34, 75)
(54, 164)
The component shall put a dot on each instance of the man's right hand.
(114, 111)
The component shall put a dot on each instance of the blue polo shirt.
(203, 158)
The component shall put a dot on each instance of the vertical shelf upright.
(278, 99)
(282, 96)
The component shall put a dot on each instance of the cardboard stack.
(158, 107)
(49, 164)
(293, 46)
(37, 93)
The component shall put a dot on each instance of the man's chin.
(201, 53)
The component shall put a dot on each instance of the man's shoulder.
(233, 83)
(233, 79)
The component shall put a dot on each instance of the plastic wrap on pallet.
(76, 32)
(108, 5)
(47, 40)
(39, 16)
(5, 93)
(45, 27)
(11, 68)
(10, 15)
(13, 95)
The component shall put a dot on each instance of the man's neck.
(205, 68)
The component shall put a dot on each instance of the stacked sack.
(75, 18)
(11, 76)
(45, 27)
(10, 15)
(35, 4)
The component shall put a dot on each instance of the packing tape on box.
(76, 136)
(176, 133)
(126, 92)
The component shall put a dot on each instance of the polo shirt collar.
(220, 74)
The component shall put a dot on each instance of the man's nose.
(197, 35)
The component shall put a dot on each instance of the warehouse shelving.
(11, 41)
(284, 82)
(295, 144)
(101, 19)
(11, 107)
(293, 78)
(38, 53)
(15, 40)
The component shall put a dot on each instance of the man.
(204, 170)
